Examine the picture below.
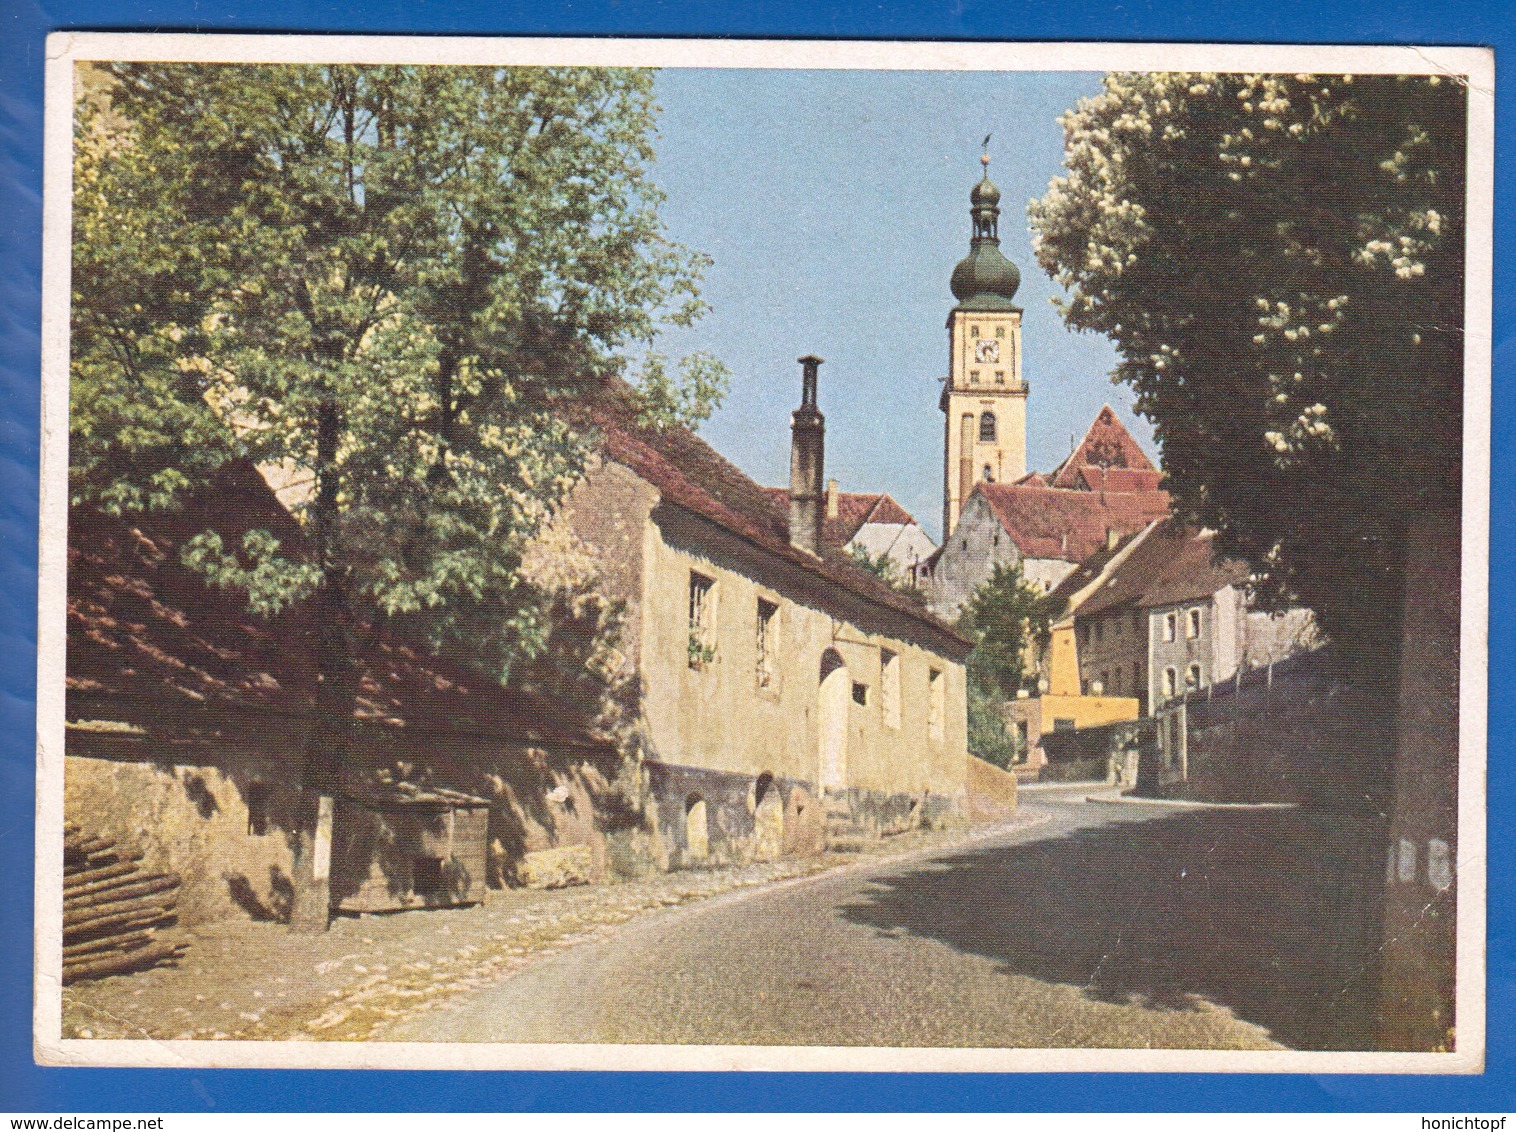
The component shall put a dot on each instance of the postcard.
(527, 581)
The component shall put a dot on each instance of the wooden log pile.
(113, 909)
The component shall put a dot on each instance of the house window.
(1136, 624)
(889, 687)
(702, 643)
(860, 694)
(936, 688)
(1192, 677)
(1084, 632)
(768, 642)
(1099, 630)
(1170, 626)
(1192, 625)
(1063, 725)
(1023, 742)
(1170, 683)
(1105, 682)
(986, 427)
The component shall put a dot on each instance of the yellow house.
(782, 693)
(1070, 699)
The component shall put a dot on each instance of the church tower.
(984, 396)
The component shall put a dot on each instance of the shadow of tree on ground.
(1261, 912)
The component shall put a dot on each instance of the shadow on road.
(1256, 911)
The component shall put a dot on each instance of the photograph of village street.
(538, 574)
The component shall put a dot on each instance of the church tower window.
(987, 431)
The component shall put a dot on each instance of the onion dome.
(985, 280)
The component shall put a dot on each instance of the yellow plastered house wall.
(1087, 711)
(1063, 661)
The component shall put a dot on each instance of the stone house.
(762, 693)
(871, 522)
(1106, 490)
(781, 690)
(1170, 618)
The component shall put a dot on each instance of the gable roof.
(1174, 563)
(1070, 593)
(1107, 444)
(150, 642)
(688, 472)
(1046, 522)
(854, 510)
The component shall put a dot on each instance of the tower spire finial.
(984, 158)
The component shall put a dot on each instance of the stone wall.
(991, 792)
(222, 815)
(1259, 738)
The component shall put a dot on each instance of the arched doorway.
(833, 699)
(768, 819)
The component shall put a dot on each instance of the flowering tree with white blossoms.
(1279, 260)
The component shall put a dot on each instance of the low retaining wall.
(992, 792)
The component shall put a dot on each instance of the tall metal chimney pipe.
(807, 464)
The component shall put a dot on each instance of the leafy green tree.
(882, 566)
(1279, 260)
(1009, 620)
(384, 286)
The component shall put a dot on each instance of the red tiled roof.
(690, 473)
(1046, 522)
(854, 509)
(1107, 444)
(1173, 564)
(150, 641)
(1093, 477)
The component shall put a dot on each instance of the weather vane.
(984, 158)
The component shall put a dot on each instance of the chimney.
(832, 511)
(1112, 537)
(807, 456)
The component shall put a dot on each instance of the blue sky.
(834, 205)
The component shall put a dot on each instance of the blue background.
(23, 1086)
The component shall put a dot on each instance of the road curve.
(1067, 933)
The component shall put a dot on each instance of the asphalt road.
(1105, 925)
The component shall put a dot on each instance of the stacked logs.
(112, 909)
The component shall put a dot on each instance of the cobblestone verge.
(258, 981)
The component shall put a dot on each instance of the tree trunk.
(337, 678)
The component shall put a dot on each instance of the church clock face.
(987, 350)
